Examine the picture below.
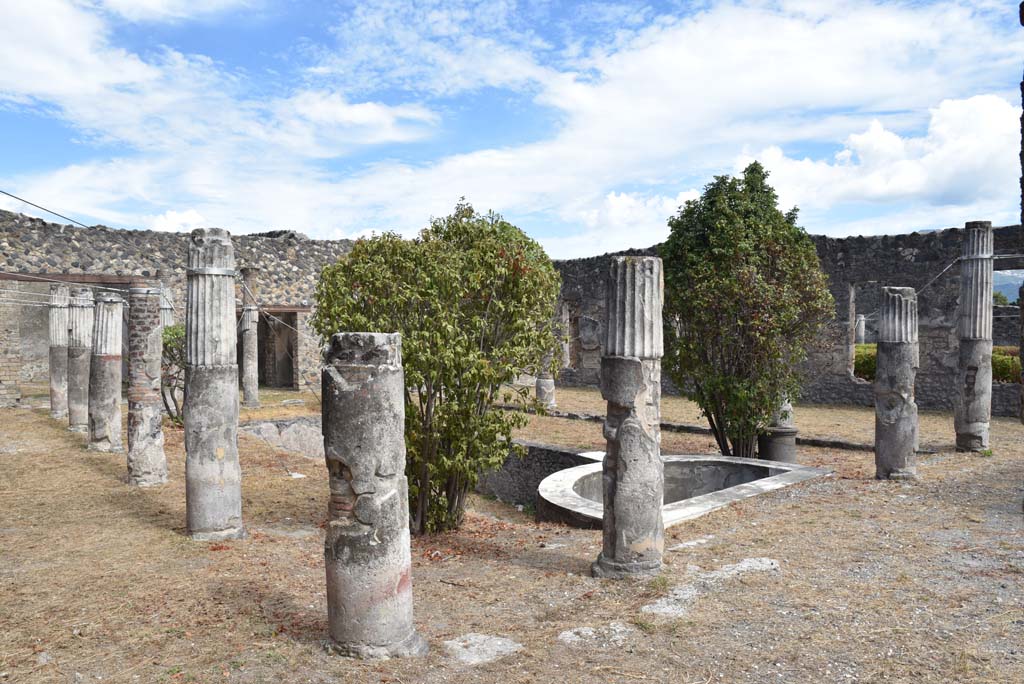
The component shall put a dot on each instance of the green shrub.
(474, 300)
(1006, 364)
(864, 360)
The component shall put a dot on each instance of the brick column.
(147, 464)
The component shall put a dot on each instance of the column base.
(106, 448)
(972, 442)
(412, 646)
(901, 475)
(78, 428)
(610, 569)
(59, 415)
(219, 535)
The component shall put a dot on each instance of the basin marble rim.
(558, 489)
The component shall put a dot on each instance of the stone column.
(544, 387)
(778, 442)
(59, 351)
(105, 374)
(633, 475)
(896, 368)
(147, 464)
(166, 306)
(972, 405)
(369, 584)
(80, 324)
(213, 476)
(249, 329)
(861, 330)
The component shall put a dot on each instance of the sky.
(587, 124)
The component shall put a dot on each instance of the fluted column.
(249, 327)
(59, 295)
(366, 550)
(105, 374)
(633, 476)
(81, 311)
(973, 401)
(166, 306)
(896, 369)
(147, 463)
(861, 329)
(213, 476)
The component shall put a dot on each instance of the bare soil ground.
(878, 581)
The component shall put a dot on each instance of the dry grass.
(880, 582)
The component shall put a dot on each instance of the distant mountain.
(1008, 282)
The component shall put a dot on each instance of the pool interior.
(686, 479)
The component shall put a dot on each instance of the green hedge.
(1005, 363)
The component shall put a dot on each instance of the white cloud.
(963, 164)
(169, 10)
(644, 112)
(178, 221)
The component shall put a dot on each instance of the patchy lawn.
(876, 581)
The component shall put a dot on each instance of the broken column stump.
(213, 476)
(59, 295)
(369, 581)
(105, 374)
(147, 463)
(81, 312)
(972, 405)
(896, 368)
(633, 475)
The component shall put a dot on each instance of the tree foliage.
(172, 370)
(744, 299)
(474, 300)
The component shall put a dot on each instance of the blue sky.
(586, 124)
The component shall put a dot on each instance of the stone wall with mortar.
(10, 352)
(289, 264)
(857, 267)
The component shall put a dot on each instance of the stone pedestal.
(105, 374)
(59, 295)
(972, 407)
(248, 329)
(369, 581)
(896, 369)
(213, 476)
(81, 310)
(633, 478)
(544, 387)
(778, 442)
(860, 332)
(147, 464)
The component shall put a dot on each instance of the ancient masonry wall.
(857, 268)
(289, 264)
(10, 356)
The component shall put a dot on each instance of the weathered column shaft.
(81, 311)
(249, 329)
(973, 402)
(778, 442)
(861, 329)
(369, 582)
(896, 368)
(633, 477)
(105, 375)
(59, 295)
(147, 463)
(213, 476)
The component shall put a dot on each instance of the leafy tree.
(474, 300)
(172, 371)
(744, 298)
(999, 299)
